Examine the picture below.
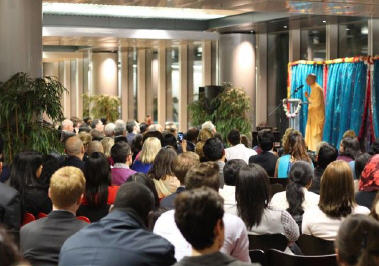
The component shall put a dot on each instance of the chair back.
(41, 215)
(268, 241)
(282, 181)
(28, 217)
(276, 188)
(276, 257)
(257, 256)
(311, 245)
(84, 219)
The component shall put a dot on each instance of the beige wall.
(104, 67)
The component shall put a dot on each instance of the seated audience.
(99, 194)
(202, 206)
(375, 208)
(95, 146)
(228, 192)
(132, 128)
(10, 214)
(349, 149)
(267, 159)
(245, 141)
(368, 183)
(253, 205)
(297, 151)
(136, 146)
(25, 178)
(181, 165)
(109, 130)
(238, 150)
(170, 140)
(203, 136)
(122, 158)
(191, 138)
(214, 152)
(360, 163)
(236, 242)
(336, 203)
(150, 149)
(75, 152)
(107, 143)
(143, 179)
(209, 126)
(297, 199)
(41, 240)
(357, 242)
(9, 253)
(326, 154)
(143, 127)
(162, 174)
(120, 238)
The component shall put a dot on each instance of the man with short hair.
(98, 125)
(132, 128)
(120, 238)
(203, 206)
(267, 159)
(122, 158)
(67, 129)
(182, 164)
(94, 146)
(236, 241)
(74, 149)
(213, 150)
(109, 130)
(238, 150)
(42, 239)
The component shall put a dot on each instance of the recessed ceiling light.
(285, 27)
(324, 21)
(347, 29)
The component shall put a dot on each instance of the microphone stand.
(277, 107)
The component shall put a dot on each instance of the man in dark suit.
(267, 159)
(42, 239)
(120, 238)
(74, 149)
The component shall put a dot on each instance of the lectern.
(292, 109)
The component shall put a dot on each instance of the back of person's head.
(375, 147)
(86, 138)
(73, 146)
(49, 166)
(9, 253)
(203, 136)
(107, 143)
(357, 242)
(155, 127)
(252, 194)
(153, 134)
(109, 129)
(95, 122)
(98, 177)
(375, 208)
(297, 147)
(120, 152)
(245, 141)
(97, 135)
(234, 137)
(369, 180)
(285, 140)
(143, 179)
(192, 134)
(231, 170)
(197, 213)
(171, 127)
(169, 140)
(24, 169)
(136, 198)
(349, 134)
(350, 147)
(150, 149)
(213, 149)
(209, 125)
(205, 174)
(67, 124)
(300, 176)
(137, 143)
(143, 127)
(95, 146)
(163, 164)
(266, 140)
(130, 126)
(183, 162)
(119, 128)
(67, 186)
(337, 190)
(326, 154)
(360, 162)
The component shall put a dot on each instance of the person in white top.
(236, 241)
(296, 199)
(238, 150)
(336, 203)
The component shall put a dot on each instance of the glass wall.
(313, 44)
(197, 70)
(353, 39)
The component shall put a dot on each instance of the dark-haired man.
(238, 150)
(132, 128)
(203, 206)
(122, 158)
(120, 238)
(214, 152)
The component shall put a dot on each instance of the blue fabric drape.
(375, 99)
(298, 77)
(345, 100)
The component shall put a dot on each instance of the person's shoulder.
(233, 220)
(165, 218)
(361, 210)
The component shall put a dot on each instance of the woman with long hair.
(253, 205)
(349, 149)
(99, 194)
(203, 136)
(144, 161)
(162, 174)
(336, 203)
(25, 176)
(296, 151)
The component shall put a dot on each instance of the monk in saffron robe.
(316, 114)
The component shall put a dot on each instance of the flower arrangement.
(287, 112)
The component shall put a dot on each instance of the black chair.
(311, 245)
(282, 181)
(276, 188)
(266, 242)
(276, 257)
(257, 256)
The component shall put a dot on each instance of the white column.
(207, 63)
(141, 95)
(261, 81)
(162, 85)
(124, 85)
(183, 95)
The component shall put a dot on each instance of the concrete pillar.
(21, 37)
(74, 95)
(141, 95)
(104, 68)
(331, 41)
(162, 85)
(149, 109)
(79, 87)
(294, 42)
(183, 94)
(373, 36)
(169, 87)
(261, 82)
(124, 85)
(207, 63)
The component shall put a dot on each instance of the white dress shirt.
(229, 195)
(279, 200)
(239, 151)
(318, 224)
(236, 242)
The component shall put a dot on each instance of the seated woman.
(336, 203)
(297, 151)
(358, 242)
(368, 183)
(99, 195)
(144, 161)
(349, 149)
(253, 205)
(296, 199)
(162, 174)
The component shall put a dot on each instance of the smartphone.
(180, 136)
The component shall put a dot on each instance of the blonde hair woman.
(150, 149)
(204, 135)
(107, 143)
(86, 138)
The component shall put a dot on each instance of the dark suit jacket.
(118, 239)
(10, 209)
(73, 161)
(167, 203)
(267, 160)
(42, 239)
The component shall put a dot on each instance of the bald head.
(74, 147)
(311, 79)
(95, 146)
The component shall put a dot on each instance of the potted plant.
(102, 106)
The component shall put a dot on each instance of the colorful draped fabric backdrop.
(375, 99)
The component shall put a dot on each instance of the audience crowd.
(129, 193)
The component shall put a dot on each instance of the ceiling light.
(285, 27)
(324, 21)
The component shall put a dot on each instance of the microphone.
(298, 88)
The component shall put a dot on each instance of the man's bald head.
(95, 146)
(74, 146)
(311, 79)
